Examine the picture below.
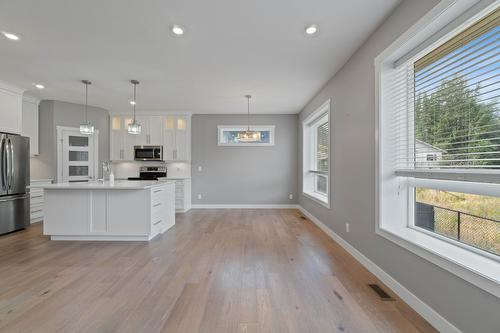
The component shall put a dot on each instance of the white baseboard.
(106, 238)
(244, 206)
(434, 318)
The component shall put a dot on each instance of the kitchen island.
(118, 211)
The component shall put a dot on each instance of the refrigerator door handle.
(11, 181)
(13, 198)
(3, 165)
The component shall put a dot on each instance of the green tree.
(461, 120)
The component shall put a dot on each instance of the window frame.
(476, 266)
(310, 127)
(222, 128)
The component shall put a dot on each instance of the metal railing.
(474, 230)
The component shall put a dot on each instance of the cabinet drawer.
(156, 225)
(36, 199)
(157, 210)
(36, 214)
(179, 204)
(156, 195)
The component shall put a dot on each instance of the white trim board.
(434, 318)
(245, 206)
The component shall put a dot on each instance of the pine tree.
(461, 120)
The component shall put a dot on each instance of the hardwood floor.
(215, 271)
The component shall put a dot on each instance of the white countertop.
(46, 180)
(173, 178)
(106, 185)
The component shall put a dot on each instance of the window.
(431, 157)
(316, 152)
(228, 135)
(439, 143)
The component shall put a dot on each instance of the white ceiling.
(230, 48)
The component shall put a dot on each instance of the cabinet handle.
(37, 196)
(157, 222)
(156, 191)
(158, 204)
(36, 211)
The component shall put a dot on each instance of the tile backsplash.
(124, 170)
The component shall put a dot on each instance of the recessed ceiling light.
(132, 103)
(10, 36)
(178, 30)
(312, 29)
(39, 86)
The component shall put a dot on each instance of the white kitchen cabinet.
(176, 138)
(173, 132)
(121, 143)
(11, 105)
(152, 131)
(143, 138)
(37, 199)
(155, 131)
(182, 195)
(120, 211)
(30, 122)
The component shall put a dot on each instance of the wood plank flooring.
(215, 271)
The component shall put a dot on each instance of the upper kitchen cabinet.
(30, 122)
(11, 101)
(121, 143)
(170, 131)
(176, 138)
(152, 133)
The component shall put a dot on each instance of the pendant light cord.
(135, 98)
(86, 102)
(86, 83)
(248, 112)
(135, 83)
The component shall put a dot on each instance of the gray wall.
(56, 113)
(353, 165)
(244, 175)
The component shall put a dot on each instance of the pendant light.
(248, 135)
(134, 127)
(86, 128)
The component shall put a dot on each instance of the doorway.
(77, 155)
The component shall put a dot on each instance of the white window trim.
(222, 128)
(324, 200)
(482, 270)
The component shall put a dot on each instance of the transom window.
(316, 151)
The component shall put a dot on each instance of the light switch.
(200, 168)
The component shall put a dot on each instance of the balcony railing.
(477, 231)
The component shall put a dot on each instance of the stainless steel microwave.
(148, 153)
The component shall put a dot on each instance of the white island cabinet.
(119, 211)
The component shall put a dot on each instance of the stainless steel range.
(151, 173)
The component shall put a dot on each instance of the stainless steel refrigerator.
(14, 180)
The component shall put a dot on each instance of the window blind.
(445, 112)
(323, 141)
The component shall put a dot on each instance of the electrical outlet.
(199, 196)
(200, 168)
(347, 227)
(290, 196)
